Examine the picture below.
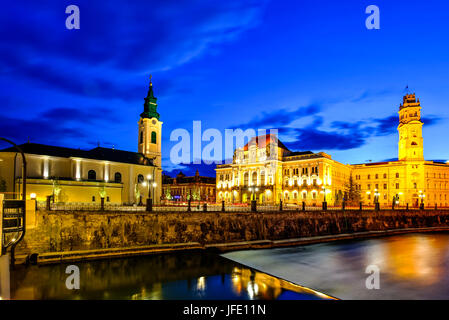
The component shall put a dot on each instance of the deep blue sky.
(309, 68)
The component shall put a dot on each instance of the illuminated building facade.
(84, 176)
(295, 177)
(410, 179)
(267, 171)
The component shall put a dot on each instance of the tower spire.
(150, 105)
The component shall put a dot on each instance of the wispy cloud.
(341, 135)
(54, 126)
(117, 43)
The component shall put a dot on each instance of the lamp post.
(421, 196)
(149, 200)
(376, 200)
(368, 193)
(253, 198)
(324, 191)
(396, 199)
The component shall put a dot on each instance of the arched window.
(141, 136)
(140, 178)
(153, 137)
(91, 175)
(118, 177)
(414, 143)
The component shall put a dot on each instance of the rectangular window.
(397, 185)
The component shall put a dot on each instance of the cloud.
(342, 135)
(53, 126)
(347, 135)
(281, 117)
(117, 44)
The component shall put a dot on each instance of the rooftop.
(98, 153)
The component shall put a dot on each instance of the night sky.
(308, 68)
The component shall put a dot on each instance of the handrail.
(24, 180)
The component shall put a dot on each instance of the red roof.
(263, 141)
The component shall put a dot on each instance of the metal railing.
(202, 206)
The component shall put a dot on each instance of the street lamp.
(149, 200)
(253, 198)
(324, 197)
(368, 193)
(421, 196)
(376, 199)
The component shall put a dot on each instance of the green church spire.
(150, 105)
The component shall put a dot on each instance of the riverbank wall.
(54, 234)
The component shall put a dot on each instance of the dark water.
(411, 266)
(194, 275)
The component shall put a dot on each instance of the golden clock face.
(154, 121)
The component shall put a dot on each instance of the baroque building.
(84, 176)
(267, 171)
(296, 177)
(410, 179)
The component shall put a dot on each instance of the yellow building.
(295, 177)
(267, 171)
(411, 179)
(84, 176)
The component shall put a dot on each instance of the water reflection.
(172, 276)
(417, 258)
(412, 266)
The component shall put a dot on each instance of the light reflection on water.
(192, 275)
(412, 266)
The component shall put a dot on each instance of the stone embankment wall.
(68, 231)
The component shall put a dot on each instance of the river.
(411, 266)
(180, 276)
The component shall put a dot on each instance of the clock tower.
(410, 129)
(150, 129)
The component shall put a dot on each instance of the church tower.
(150, 129)
(410, 129)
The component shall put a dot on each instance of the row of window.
(415, 186)
(368, 196)
(439, 175)
(411, 115)
(376, 186)
(153, 137)
(92, 175)
(376, 176)
(304, 171)
(304, 182)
